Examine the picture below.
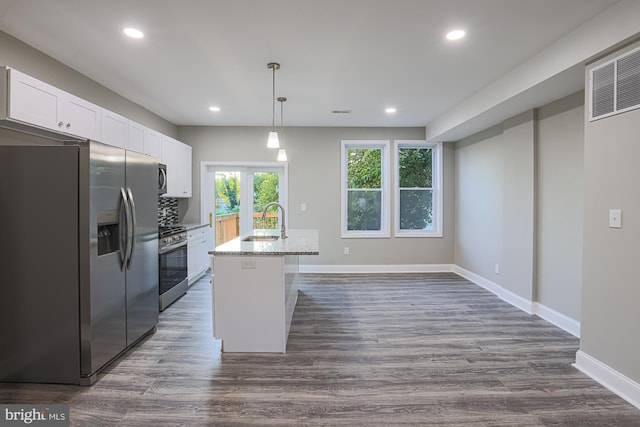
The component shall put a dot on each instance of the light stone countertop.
(298, 242)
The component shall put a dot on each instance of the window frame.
(436, 182)
(385, 205)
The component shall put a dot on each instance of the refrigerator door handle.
(132, 229)
(124, 228)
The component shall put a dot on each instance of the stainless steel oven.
(172, 261)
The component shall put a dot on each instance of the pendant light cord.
(273, 104)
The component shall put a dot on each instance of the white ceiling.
(358, 55)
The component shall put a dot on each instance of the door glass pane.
(266, 189)
(227, 206)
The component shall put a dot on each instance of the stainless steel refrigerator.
(79, 259)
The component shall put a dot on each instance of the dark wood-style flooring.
(364, 350)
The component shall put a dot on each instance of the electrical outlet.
(303, 207)
(346, 250)
(247, 263)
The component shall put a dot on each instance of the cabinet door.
(80, 117)
(152, 143)
(114, 129)
(169, 157)
(33, 101)
(185, 185)
(177, 157)
(135, 137)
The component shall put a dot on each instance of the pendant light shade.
(282, 155)
(273, 141)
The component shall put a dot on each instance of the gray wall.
(611, 289)
(494, 196)
(518, 195)
(23, 57)
(479, 175)
(560, 159)
(314, 179)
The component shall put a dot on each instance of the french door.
(233, 196)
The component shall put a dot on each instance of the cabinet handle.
(68, 125)
(60, 124)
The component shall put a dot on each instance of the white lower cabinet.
(253, 301)
(199, 243)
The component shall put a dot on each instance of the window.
(365, 181)
(418, 196)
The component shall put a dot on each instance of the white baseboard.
(397, 268)
(555, 318)
(621, 385)
(560, 320)
(504, 294)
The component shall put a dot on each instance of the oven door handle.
(169, 248)
(124, 229)
(132, 229)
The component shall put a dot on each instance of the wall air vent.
(341, 111)
(615, 86)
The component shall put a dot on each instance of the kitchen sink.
(260, 238)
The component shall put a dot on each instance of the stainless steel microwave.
(162, 178)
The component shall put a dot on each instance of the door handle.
(131, 231)
(210, 219)
(124, 242)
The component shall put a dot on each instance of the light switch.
(615, 218)
(303, 207)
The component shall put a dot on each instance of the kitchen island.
(255, 288)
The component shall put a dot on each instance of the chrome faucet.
(283, 231)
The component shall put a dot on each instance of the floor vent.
(614, 87)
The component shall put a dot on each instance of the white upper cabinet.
(30, 105)
(115, 129)
(177, 157)
(135, 137)
(152, 143)
(34, 102)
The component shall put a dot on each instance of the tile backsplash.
(167, 211)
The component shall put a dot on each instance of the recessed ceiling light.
(134, 33)
(455, 35)
(390, 110)
(214, 109)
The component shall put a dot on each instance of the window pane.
(416, 209)
(227, 192)
(415, 167)
(265, 190)
(364, 168)
(227, 206)
(364, 210)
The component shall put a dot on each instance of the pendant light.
(282, 153)
(272, 141)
